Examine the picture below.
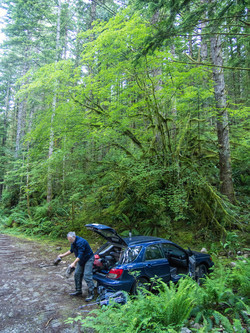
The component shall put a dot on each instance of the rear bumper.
(112, 284)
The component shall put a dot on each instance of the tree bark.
(28, 164)
(4, 136)
(20, 126)
(173, 107)
(226, 183)
(51, 142)
(21, 112)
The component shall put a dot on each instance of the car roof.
(144, 239)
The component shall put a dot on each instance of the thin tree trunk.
(91, 146)
(21, 113)
(6, 113)
(51, 142)
(20, 126)
(203, 51)
(5, 130)
(173, 106)
(226, 183)
(247, 59)
(66, 28)
(92, 13)
(28, 166)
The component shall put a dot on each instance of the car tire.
(142, 284)
(201, 273)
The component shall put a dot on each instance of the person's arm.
(64, 254)
(75, 262)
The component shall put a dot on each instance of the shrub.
(214, 305)
(162, 312)
(217, 302)
(240, 277)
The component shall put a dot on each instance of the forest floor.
(34, 294)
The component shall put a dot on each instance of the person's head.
(71, 236)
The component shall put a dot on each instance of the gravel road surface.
(34, 294)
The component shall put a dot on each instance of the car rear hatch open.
(108, 233)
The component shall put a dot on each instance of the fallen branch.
(49, 321)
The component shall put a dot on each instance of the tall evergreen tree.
(171, 25)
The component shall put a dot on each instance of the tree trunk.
(28, 164)
(4, 136)
(20, 126)
(203, 51)
(21, 112)
(51, 142)
(226, 183)
(51, 149)
(6, 113)
(92, 13)
(173, 107)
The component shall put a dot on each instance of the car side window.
(153, 252)
(130, 254)
(171, 249)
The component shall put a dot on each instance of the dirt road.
(34, 295)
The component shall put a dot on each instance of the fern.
(237, 327)
(240, 277)
(168, 309)
(222, 320)
(165, 311)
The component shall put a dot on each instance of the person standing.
(83, 264)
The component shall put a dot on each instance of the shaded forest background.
(131, 115)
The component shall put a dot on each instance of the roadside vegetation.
(220, 304)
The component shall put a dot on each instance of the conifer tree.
(181, 18)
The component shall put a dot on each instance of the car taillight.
(115, 273)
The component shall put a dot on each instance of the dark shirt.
(82, 250)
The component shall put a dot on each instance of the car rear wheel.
(201, 272)
(141, 285)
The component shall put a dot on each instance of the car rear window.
(130, 254)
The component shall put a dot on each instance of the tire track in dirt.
(34, 294)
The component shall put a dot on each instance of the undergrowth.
(215, 306)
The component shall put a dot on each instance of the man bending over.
(83, 264)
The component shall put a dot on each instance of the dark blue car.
(127, 263)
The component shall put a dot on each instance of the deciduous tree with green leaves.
(134, 140)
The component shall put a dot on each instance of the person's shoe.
(76, 293)
(90, 296)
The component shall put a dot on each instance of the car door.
(176, 256)
(155, 264)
